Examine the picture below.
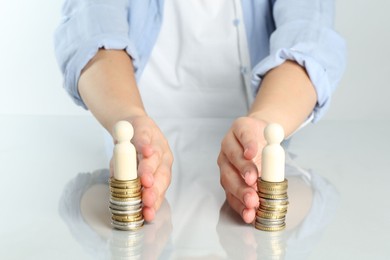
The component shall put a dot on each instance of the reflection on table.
(195, 221)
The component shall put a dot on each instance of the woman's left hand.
(240, 163)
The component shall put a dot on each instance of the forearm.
(108, 88)
(286, 96)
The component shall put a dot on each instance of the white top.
(194, 69)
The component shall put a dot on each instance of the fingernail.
(247, 197)
(243, 213)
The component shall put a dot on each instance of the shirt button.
(244, 70)
(236, 22)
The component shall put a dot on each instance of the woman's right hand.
(154, 163)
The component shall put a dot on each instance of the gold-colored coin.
(280, 211)
(125, 184)
(137, 180)
(126, 196)
(114, 199)
(273, 201)
(270, 203)
(272, 185)
(126, 187)
(274, 208)
(127, 218)
(281, 183)
(270, 215)
(272, 196)
(124, 191)
(273, 192)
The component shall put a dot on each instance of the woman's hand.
(154, 163)
(240, 163)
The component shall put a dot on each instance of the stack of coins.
(126, 204)
(272, 211)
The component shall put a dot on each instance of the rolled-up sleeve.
(304, 34)
(87, 26)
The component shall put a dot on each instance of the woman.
(258, 61)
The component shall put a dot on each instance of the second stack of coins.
(125, 204)
(272, 211)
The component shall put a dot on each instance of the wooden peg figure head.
(274, 133)
(123, 131)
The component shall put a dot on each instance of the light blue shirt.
(277, 30)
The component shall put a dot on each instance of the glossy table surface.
(54, 195)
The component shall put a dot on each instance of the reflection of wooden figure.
(125, 156)
(273, 156)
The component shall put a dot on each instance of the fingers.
(154, 196)
(242, 195)
(154, 167)
(146, 169)
(148, 213)
(233, 183)
(233, 151)
(239, 161)
(247, 214)
(248, 134)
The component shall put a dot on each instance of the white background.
(31, 84)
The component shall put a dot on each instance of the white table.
(54, 195)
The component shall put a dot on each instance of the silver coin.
(129, 228)
(125, 208)
(271, 225)
(270, 222)
(128, 212)
(128, 225)
(270, 228)
(132, 223)
(273, 201)
(125, 203)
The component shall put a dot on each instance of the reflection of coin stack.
(273, 200)
(271, 245)
(125, 204)
(126, 245)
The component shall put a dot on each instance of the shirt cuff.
(85, 53)
(79, 37)
(316, 72)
